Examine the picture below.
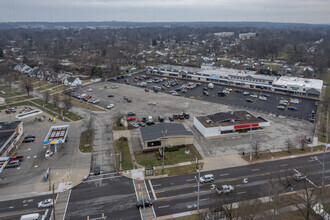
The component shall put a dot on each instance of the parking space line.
(283, 165)
(241, 192)
(164, 206)
(204, 199)
(255, 169)
(224, 174)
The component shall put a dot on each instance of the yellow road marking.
(22, 213)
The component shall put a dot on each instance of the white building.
(222, 123)
(72, 81)
(246, 36)
(243, 78)
(224, 34)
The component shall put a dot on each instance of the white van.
(34, 216)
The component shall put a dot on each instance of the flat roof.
(228, 119)
(9, 125)
(57, 134)
(154, 132)
(298, 81)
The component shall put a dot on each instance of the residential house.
(73, 81)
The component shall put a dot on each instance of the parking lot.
(280, 130)
(235, 98)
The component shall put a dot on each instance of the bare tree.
(27, 84)
(56, 100)
(67, 103)
(256, 148)
(46, 96)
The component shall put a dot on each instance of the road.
(115, 196)
(179, 194)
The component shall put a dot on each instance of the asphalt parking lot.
(280, 130)
(236, 98)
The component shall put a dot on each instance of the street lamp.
(164, 137)
(322, 163)
(249, 118)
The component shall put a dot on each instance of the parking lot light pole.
(119, 158)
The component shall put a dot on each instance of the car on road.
(45, 203)
(49, 153)
(110, 106)
(225, 189)
(111, 95)
(13, 164)
(146, 202)
(280, 107)
(299, 176)
(249, 100)
(97, 170)
(206, 178)
(28, 139)
(152, 103)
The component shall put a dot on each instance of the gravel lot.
(280, 130)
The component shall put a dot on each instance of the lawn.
(86, 145)
(58, 110)
(328, 77)
(323, 128)
(49, 86)
(268, 155)
(175, 171)
(17, 99)
(327, 92)
(81, 103)
(171, 157)
(121, 145)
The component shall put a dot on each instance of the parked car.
(125, 97)
(146, 90)
(206, 93)
(12, 164)
(263, 98)
(206, 178)
(144, 120)
(49, 153)
(129, 100)
(249, 100)
(19, 158)
(131, 118)
(110, 106)
(28, 139)
(111, 95)
(265, 95)
(181, 117)
(292, 108)
(295, 101)
(8, 111)
(246, 93)
(254, 95)
(45, 203)
(170, 118)
(146, 202)
(96, 101)
(186, 116)
(131, 114)
(160, 118)
(280, 107)
(97, 170)
(152, 103)
(175, 116)
(13, 109)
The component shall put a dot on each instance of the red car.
(131, 118)
(139, 120)
(20, 158)
(129, 100)
(8, 111)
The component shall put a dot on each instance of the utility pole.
(249, 117)
(198, 184)
(164, 137)
(119, 159)
(54, 202)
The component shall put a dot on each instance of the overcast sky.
(300, 11)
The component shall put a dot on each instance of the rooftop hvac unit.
(208, 121)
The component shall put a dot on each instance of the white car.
(295, 101)
(110, 106)
(45, 203)
(254, 95)
(96, 101)
(152, 103)
(114, 87)
(89, 90)
(246, 93)
(49, 153)
(263, 98)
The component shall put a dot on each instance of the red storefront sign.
(246, 126)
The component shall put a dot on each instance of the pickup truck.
(20, 158)
(223, 189)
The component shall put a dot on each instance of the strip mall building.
(243, 78)
(223, 123)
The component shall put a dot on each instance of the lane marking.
(11, 207)
(112, 177)
(241, 192)
(204, 199)
(152, 190)
(164, 206)
(190, 180)
(25, 205)
(157, 185)
(255, 169)
(284, 165)
(224, 174)
(28, 157)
